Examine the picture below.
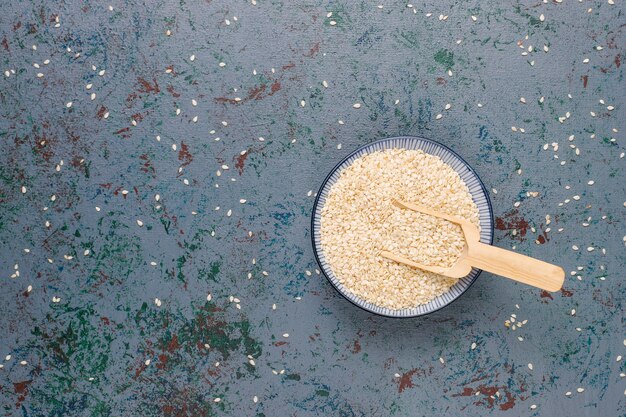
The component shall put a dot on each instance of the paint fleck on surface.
(136, 283)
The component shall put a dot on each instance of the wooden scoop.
(499, 261)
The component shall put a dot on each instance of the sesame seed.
(357, 105)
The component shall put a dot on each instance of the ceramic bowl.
(467, 174)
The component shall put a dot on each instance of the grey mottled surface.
(90, 321)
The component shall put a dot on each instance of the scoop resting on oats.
(359, 220)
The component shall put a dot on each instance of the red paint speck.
(405, 380)
(173, 92)
(314, 50)
(545, 294)
(240, 161)
(146, 87)
(101, 112)
(513, 221)
(184, 155)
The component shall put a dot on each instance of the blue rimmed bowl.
(467, 174)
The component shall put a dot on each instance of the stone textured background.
(86, 353)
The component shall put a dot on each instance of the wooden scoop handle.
(516, 266)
